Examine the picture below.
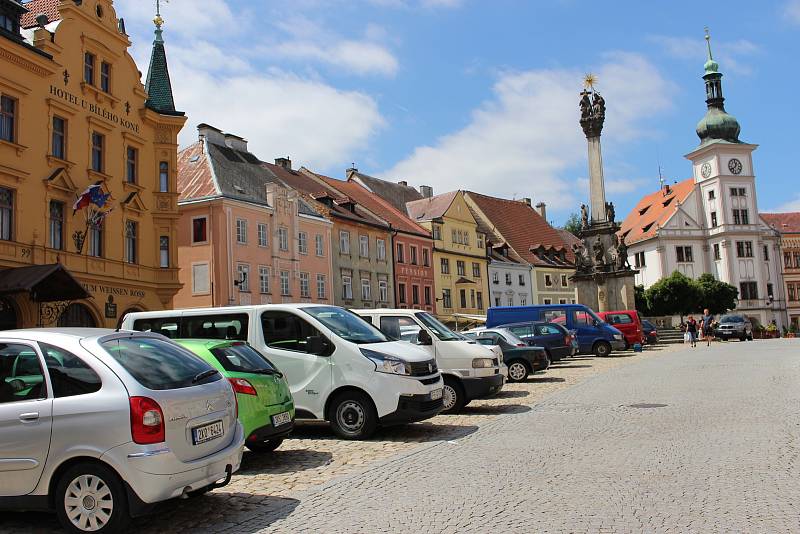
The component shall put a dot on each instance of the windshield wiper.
(204, 374)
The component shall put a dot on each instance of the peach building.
(244, 236)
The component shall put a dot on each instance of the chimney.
(286, 163)
(426, 191)
(210, 134)
(541, 208)
(526, 201)
(667, 190)
(235, 142)
(403, 183)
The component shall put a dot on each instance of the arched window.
(77, 315)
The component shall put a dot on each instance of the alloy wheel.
(89, 503)
(517, 371)
(449, 397)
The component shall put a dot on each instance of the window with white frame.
(381, 249)
(383, 290)
(319, 245)
(321, 289)
(564, 281)
(344, 242)
(639, 260)
(243, 276)
(363, 246)
(305, 286)
(263, 279)
(163, 251)
(302, 243)
(263, 235)
(347, 288)
(523, 300)
(366, 289)
(684, 254)
(285, 283)
(744, 249)
(548, 280)
(548, 301)
(283, 238)
(241, 231)
(199, 230)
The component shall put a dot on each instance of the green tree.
(573, 224)
(641, 301)
(716, 295)
(676, 294)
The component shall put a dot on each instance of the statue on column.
(610, 212)
(621, 253)
(584, 216)
(599, 252)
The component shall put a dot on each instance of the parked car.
(734, 326)
(594, 335)
(266, 409)
(100, 425)
(469, 370)
(650, 332)
(556, 339)
(521, 358)
(628, 322)
(471, 337)
(340, 368)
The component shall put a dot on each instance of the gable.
(60, 180)
(459, 211)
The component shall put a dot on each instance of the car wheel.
(452, 396)
(602, 349)
(264, 446)
(353, 416)
(743, 337)
(91, 498)
(517, 371)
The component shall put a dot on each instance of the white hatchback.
(101, 425)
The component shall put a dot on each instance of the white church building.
(710, 223)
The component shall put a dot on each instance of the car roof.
(387, 310)
(75, 333)
(229, 309)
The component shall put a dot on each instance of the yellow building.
(75, 118)
(459, 254)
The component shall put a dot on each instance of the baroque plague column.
(88, 202)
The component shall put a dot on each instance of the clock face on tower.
(705, 170)
(735, 166)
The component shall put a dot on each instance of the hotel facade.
(77, 122)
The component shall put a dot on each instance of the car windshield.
(511, 337)
(159, 364)
(242, 358)
(732, 319)
(441, 331)
(347, 325)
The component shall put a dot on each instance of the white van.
(339, 367)
(470, 371)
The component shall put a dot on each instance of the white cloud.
(792, 205)
(614, 186)
(792, 11)
(732, 56)
(525, 140)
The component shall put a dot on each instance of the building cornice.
(19, 55)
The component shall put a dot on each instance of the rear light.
(147, 421)
(240, 385)
(567, 340)
(522, 345)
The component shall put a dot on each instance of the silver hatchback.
(100, 425)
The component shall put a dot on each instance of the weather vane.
(708, 43)
(158, 20)
(589, 81)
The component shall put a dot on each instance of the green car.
(266, 408)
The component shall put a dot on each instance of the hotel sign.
(95, 109)
(113, 290)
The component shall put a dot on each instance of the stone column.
(597, 192)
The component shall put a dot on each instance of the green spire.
(717, 124)
(158, 86)
(711, 66)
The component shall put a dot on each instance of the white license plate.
(436, 394)
(205, 433)
(281, 419)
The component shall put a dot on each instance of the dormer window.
(7, 23)
(644, 210)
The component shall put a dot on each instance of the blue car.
(595, 336)
(556, 340)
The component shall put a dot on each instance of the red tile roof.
(427, 209)
(36, 8)
(521, 226)
(195, 178)
(653, 211)
(378, 206)
(785, 223)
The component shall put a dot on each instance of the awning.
(476, 318)
(44, 283)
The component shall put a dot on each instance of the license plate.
(436, 394)
(281, 419)
(205, 433)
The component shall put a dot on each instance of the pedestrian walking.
(691, 329)
(707, 324)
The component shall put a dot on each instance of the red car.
(628, 322)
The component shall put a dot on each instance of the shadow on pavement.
(496, 409)
(545, 379)
(425, 431)
(509, 394)
(569, 366)
(29, 522)
(283, 461)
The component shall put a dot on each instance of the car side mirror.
(424, 338)
(318, 345)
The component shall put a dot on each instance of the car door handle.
(29, 417)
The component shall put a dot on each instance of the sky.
(483, 94)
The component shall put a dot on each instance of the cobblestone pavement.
(270, 486)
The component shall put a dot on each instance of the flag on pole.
(93, 195)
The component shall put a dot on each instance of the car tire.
(82, 491)
(352, 415)
(518, 371)
(452, 395)
(743, 338)
(602, 349)
(264, 446)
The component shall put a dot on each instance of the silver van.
(99, 425)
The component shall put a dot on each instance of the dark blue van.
(594, 335)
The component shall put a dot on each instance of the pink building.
(244, 236)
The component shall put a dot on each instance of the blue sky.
(481, 94)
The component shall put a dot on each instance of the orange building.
(74, 114)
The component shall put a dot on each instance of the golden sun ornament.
(589, 81)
